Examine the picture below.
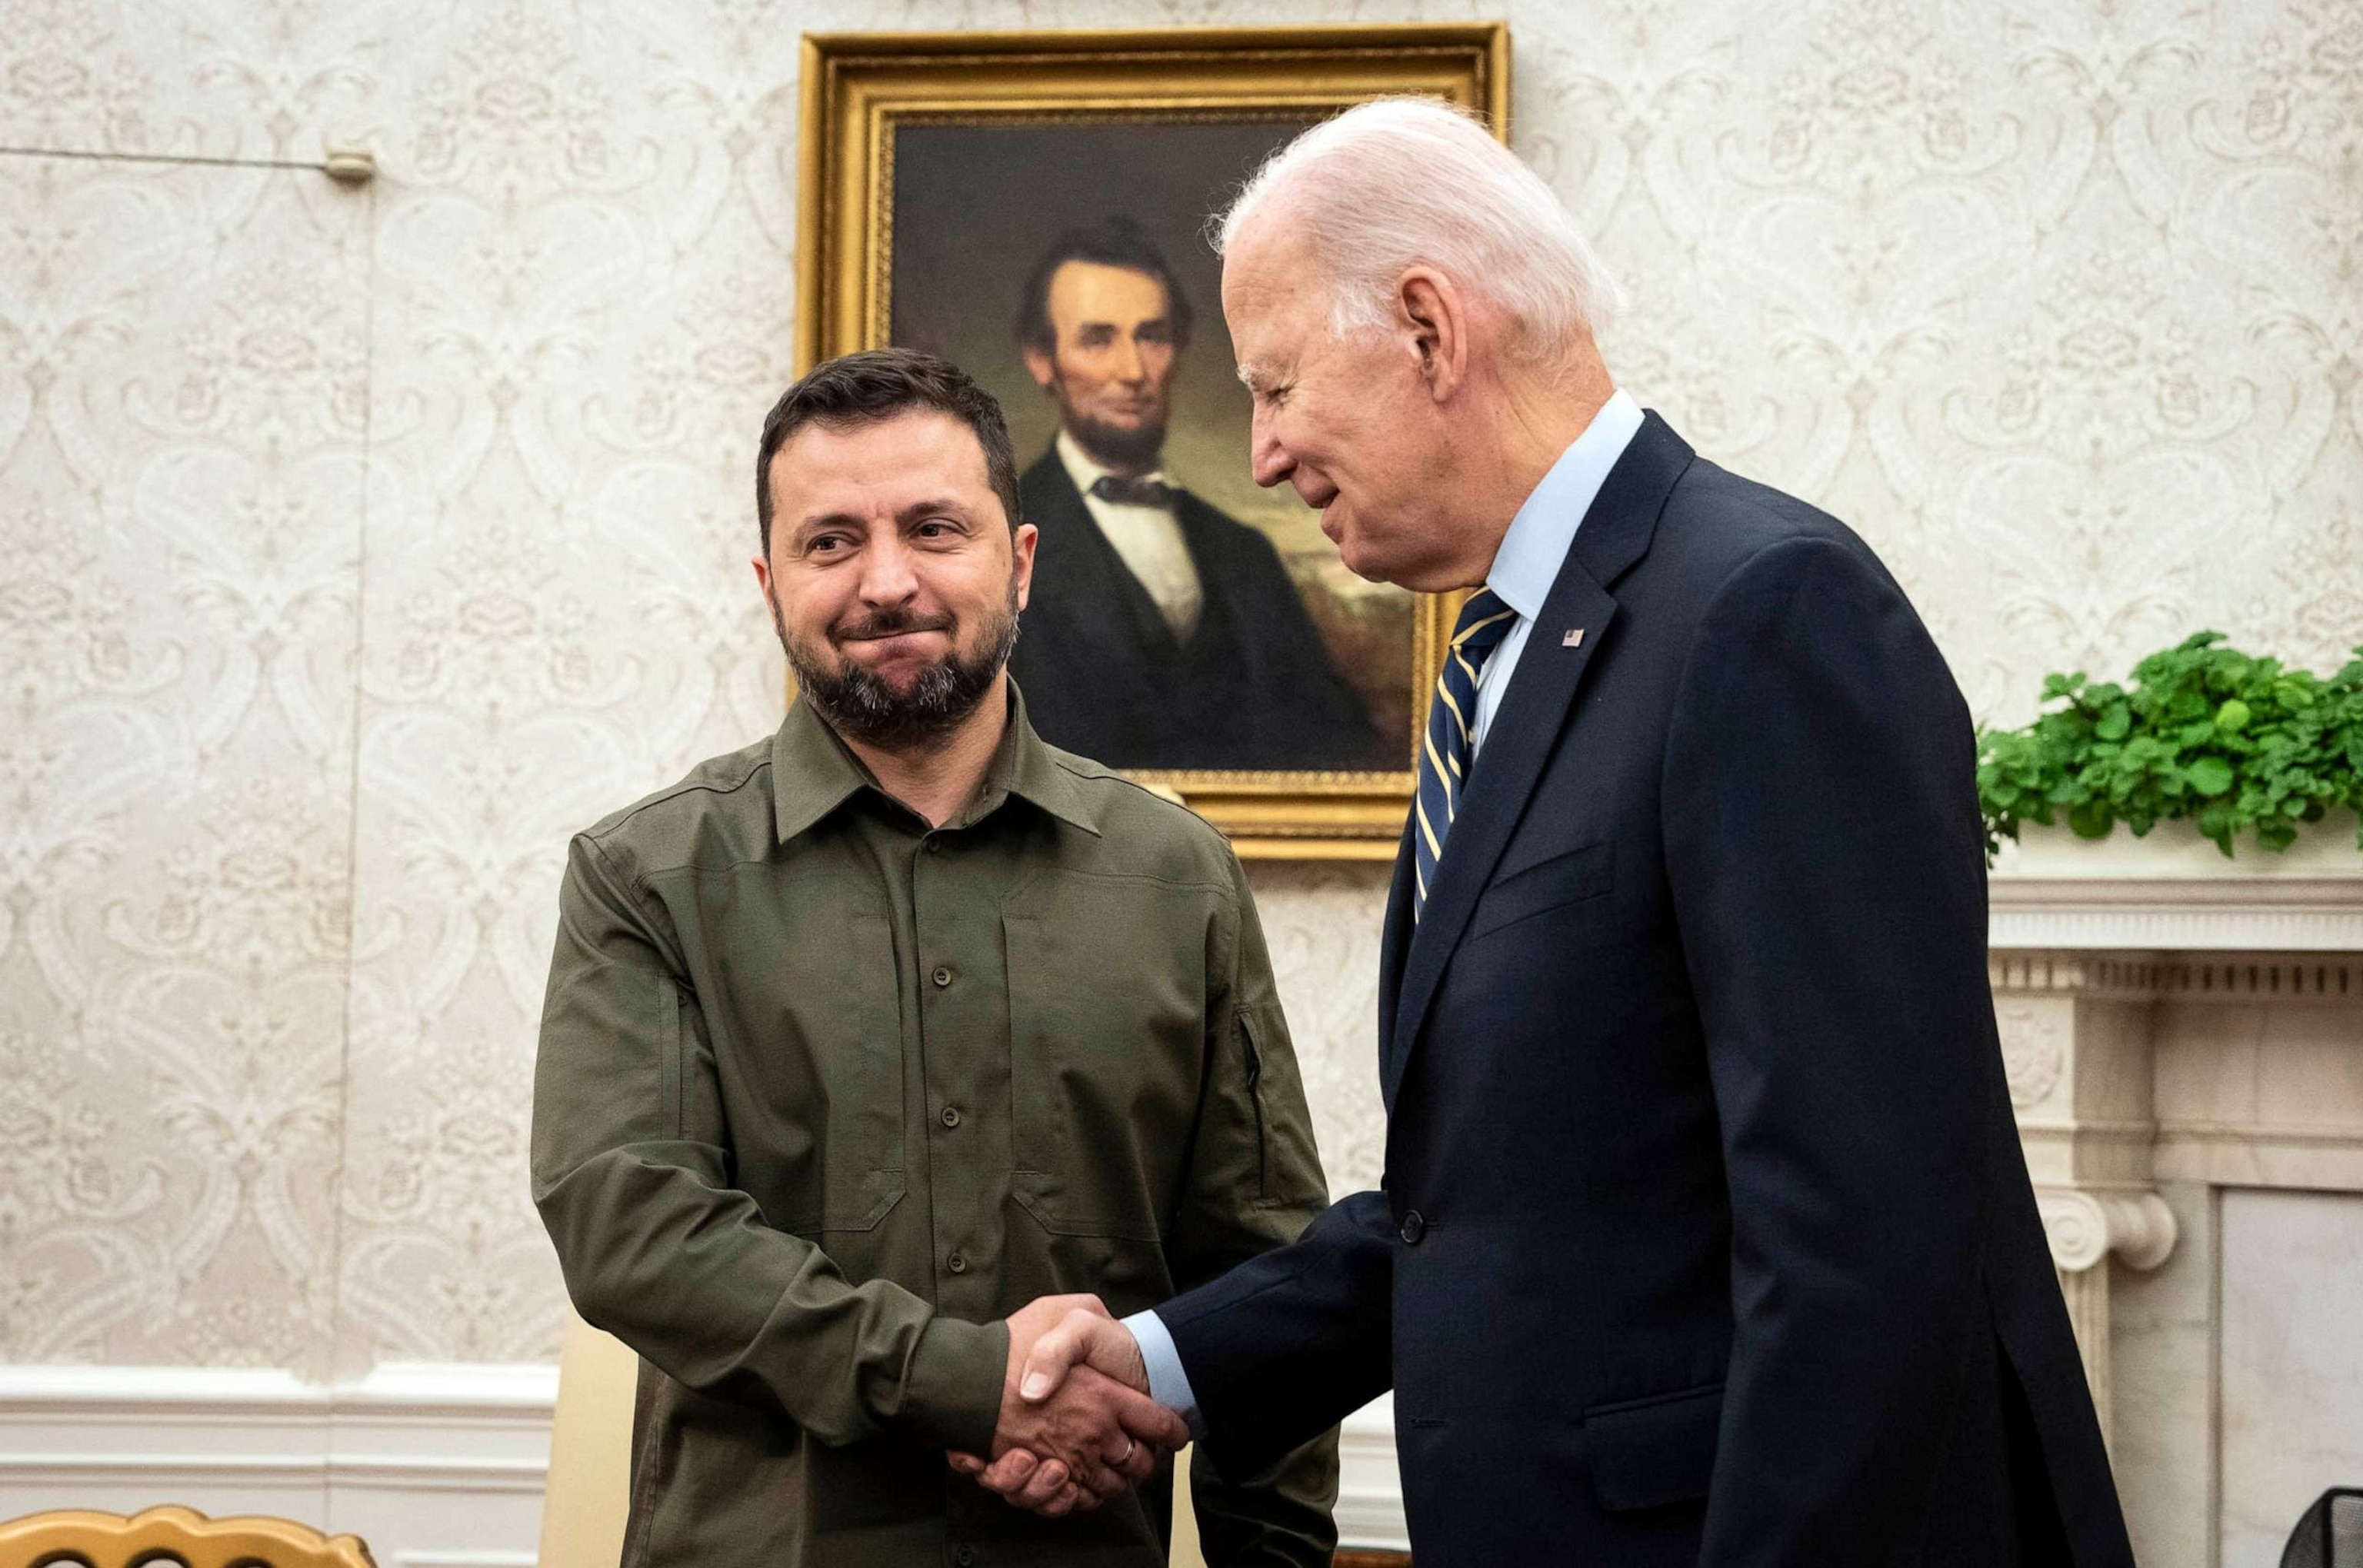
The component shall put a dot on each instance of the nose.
(890, 575)
(1266, 457)
(1131, 366)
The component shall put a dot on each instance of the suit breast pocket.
(1539, 887)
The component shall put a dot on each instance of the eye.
(826, 545)
(936, 529)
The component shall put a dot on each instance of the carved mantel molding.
(2077, 1027)
(2194, 915)
(2085, 1229)
(2174, 891)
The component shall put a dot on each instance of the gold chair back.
(584, 1509)
(81, 1538)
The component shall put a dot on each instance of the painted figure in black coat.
(1161, 633)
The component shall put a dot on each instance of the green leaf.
(2240, 742)
(2210, 775)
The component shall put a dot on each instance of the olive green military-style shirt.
(824, 1093)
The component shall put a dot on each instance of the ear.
(1022, 545)
(1433, 314)
(762, 575)
(1041, 367)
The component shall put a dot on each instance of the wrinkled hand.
(1077, 1425)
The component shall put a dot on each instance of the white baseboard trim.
(435, 1466)
(1369, 1486)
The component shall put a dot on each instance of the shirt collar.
(814, 773)
(1087, 470)
(1537, 544)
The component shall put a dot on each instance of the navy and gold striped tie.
(1451, 724)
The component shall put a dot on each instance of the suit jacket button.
(1414, 1228)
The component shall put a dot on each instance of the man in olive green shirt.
(859, 1040)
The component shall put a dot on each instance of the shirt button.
(957, 1263)
(936, 846)
(1414, 1228)
(951, 1116)
(965, 1557)
(943, 976)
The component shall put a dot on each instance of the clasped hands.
(1077, 1424)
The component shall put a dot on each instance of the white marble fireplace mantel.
(2174, 890)
(2178, 1028)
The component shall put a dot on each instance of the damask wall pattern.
(361, 545)
(181, 485)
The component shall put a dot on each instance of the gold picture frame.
(859, 90)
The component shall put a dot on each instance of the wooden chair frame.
(181, 1538)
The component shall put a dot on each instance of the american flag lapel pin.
(1573, 639)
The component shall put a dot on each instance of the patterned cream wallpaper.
(357, 546)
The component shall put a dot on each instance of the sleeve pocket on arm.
(1288, 1167)
(669, 1054)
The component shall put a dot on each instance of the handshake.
(1077, 1424)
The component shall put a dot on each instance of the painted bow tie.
(1122, 491)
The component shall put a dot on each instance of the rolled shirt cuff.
(1168, 1383)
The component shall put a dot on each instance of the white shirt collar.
(1087, 470)
(1537, 544)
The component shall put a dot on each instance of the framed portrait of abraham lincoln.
(1034, 207)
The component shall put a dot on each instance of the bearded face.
(894, 576)
(1111, 361)
(911, 705)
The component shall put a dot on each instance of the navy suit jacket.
(1104, 676)
(1705, 1236)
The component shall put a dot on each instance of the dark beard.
(859, 706)
(1126, 451)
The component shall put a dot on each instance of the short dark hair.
(1112, 241)
(876, 385)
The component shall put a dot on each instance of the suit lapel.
(1518, 741)
(1533, 712)
(1394, 942)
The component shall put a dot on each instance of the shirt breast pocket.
(1106, 1034)
(819, 1142)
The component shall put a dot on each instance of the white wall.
(356, 546)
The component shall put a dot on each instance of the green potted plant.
(2239, 748)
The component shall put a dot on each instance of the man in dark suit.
(1162, 633)
(1705, 1236)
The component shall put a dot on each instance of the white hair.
(1399, 183)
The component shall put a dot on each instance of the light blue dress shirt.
(1524, 569)
(1537, 544)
